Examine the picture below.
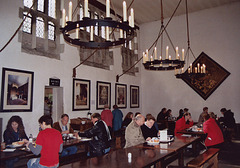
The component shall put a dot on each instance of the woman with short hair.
(148, 128)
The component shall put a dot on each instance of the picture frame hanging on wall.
(134, 96)
(17, 90)
(121, 95)
(103, 94)
(81, 94)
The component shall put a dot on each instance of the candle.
(147, 54)
(183, 54)
(190, 68)
(124, 11)
(77, 31)
(63, 18)
(91, 33)
(201, 69)
(160, 58)
(167, 52)
(107, 33)
(85, 8)
(70, 11)
(144, 57)
(151, 58)
(182, 69)
(129, 20)
(178, 56)
(176, 52)
(132, 17)
(195, 69)
(155, 53)
(170, 58)
(121, 33)
(107, 8)
(204, 68)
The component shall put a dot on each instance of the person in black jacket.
(100, 144)
(14, 131)
(148, 129)
(228, 123)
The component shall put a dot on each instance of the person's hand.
(148, 139)
(65, 132)
(25, 141)
(75, 134)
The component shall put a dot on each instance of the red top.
(50, 139)
(181, 125)
(214, 133)
(107, 117)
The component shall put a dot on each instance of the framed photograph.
(81, 94)
(207, 84)
(134, 96)
(17, 90)
(103, 94)
(121, 95)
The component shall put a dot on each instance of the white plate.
(152, 143)
(85, 139)
(169, 140)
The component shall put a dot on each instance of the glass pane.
(81, 13)
(27, 24)
(52, 8)
(40, 6)
(103, 32)
(51, 31)
(96, 27)
(27, 3)
(40, 27)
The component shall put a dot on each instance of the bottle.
(30, 138)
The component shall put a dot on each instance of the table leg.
(181, 158)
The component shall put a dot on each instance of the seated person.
(127, 120)
(183, 123)
(148, 128)
(49, 144)
(214, 134)
(133, 133)
(162, 118)
(64, 127)
(181, 112)
(100, 144)
(14, 131)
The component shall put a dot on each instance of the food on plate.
(18, 143)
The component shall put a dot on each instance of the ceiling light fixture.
(124, 30)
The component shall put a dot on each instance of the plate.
(84, 139)
(169, 140)
(152, 143)
(16, 144)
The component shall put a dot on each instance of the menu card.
(163, 135)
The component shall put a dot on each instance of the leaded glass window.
(52, 8)
(96, 27)
(27, 3)
(40, 5)
(40, 27)
(103, 34)
(27, 24)
(51, 31)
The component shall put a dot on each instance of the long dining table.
(22, 152)
(142, 155)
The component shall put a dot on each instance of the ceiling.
(150, 10)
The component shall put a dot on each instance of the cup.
(3, 145)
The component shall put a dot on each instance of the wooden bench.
(209, 156)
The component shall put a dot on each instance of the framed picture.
(121, 95)
(207, 84)
(134, 96)
(81, 94)
(103, 94)
(17, 90)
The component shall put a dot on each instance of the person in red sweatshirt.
(214, 134)
(183, 123)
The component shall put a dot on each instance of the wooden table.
(19, 153)
(143, 155)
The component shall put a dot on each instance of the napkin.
(9, 150)
(163, 135)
